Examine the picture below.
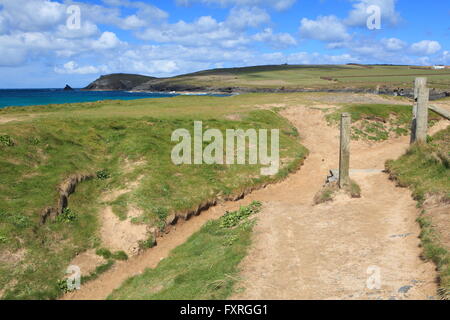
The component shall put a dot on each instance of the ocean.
(32, 97)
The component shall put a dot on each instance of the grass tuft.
(203, 268)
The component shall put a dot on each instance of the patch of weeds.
(107, 254)
(229, 240)
(293, 132)
(103, 174)
(67, 216)
(161, 213)
(103, 252)
(232, 219)
(400, 131)
(6, 141)
(120, 206)
(120, 255)
(329, 190)
(62, 286)
(33, 141)
(326, 194)
(3, 239)
(147, 244)
(354, 189)
(98, 271)
(17, 220)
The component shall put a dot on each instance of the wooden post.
(422, 115)
(419, 86)
(344, 157)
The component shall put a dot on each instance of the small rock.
(404, 289)
(401, 235)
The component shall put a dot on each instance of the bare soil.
(302, 251)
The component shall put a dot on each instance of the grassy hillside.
(203, 268)
(377, 122)
(118, 81)
(426, 170)
(313, 77)
(122, 143)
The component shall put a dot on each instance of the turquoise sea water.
(32, 97)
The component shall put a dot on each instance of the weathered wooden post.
(419, 125)
(344, 157)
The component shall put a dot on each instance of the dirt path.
(322, 252)
(301, 251)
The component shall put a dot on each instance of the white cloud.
(108, 40)
(146, 14)
(72, 67)
(133, 22)
(10, 56)
(31, 15)
(276, 4)
(278, 40)
(325, 28)
(307, 58)
(87, 29)
(358, 15)
(425, 47)
(203, 31)
(393, 44)
(247, 17)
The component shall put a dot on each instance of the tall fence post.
(419, 125)
(422, 114)
(344, 156)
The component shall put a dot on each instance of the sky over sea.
(48, 43)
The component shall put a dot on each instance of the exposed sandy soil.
(122, 235)
(364, 98)
(301, 251)
(119, 235)
(87, 261)
(4, 119)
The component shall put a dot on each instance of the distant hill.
(384, 79)
(118, 81)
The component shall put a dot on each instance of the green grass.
(434, 250)
(313, 77)
(377, 122)
(426, 170)
(328, 192)
(51, 143)
(203, 268)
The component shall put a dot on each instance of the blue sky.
(45, 45)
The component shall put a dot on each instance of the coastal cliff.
(388, 80)
(118, 81)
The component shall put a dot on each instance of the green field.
(121, 143)
(314, 77)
